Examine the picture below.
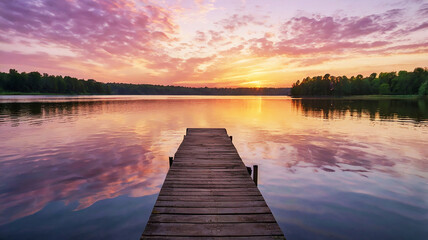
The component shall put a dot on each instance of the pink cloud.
(236, 21)
(90, 28)
(321, 29)
(200, 36)
(420, 27)
(262, 46)
(329, 48)
(233, 51)
(216, 37)
(403, 49)
(315, 35)
(423, 10)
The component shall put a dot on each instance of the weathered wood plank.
(211, 198)
(209, 194)
(235, 181)
(203, 170)
(225, 193)
(214, 229)
(210, 204)
(207, 165)
(208, 174)
(166, 189)
(214, 238)
(209, 185)
(209, 182)
(233, 218)
(207, 210)
(197, 178)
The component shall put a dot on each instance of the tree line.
(147, 89)
(386, 83)
(34, 82)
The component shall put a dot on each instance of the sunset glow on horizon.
(214, 43)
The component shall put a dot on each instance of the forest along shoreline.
(386, 83)
(404, 85)
(34, 83)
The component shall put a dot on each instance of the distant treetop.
(403, 83)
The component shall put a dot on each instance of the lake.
(90, 167)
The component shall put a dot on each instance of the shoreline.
(64, 94)
(364, 97)
(352, 97)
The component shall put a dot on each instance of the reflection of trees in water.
(37, 112)
(385, 109)
(22, 112)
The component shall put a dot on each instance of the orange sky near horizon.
(214, 43)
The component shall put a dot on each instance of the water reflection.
(85, 172)
(38, 112)
(326, 166)
(416, 110)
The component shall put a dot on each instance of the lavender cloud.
(92, 28)
(317, 34)
(236, 21)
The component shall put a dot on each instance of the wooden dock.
(208, 193)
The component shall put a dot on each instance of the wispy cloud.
(331, 35)
(93, 29)
(237, 21)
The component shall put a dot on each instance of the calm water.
(91, 167)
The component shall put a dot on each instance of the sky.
(214, 43)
